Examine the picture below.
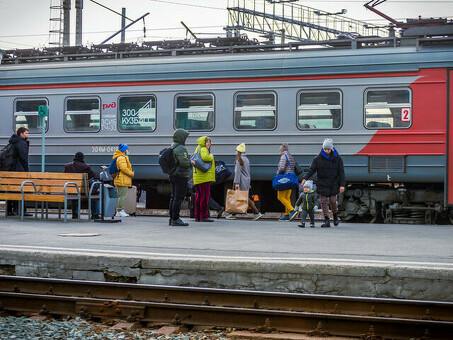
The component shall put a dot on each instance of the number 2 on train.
(405, 114)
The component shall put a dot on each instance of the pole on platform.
(42, 113)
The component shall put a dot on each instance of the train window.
(137, 113)
(319, 110)
(195, 112)
(82, 115)
(255, 111)
(388, 108)
(26, 114)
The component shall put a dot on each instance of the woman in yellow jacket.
(202, 180)
(123, 179)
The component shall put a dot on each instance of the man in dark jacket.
(179, 177)
(331, 180)
(79, 166)
(20, 162)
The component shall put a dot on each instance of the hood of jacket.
(180, 136)
(202, 141)
(118, 153)
(15, 139)
(335, 153)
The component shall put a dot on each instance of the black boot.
(301, 225)
(326, 223)
(335, 220)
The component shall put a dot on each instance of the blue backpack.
(113, 169)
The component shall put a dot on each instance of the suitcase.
(130, 205)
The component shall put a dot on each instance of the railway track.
(264, 311)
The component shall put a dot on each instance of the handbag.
(237, 201)
(200, 164)
(297, 169)
(285, 182)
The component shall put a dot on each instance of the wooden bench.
(44, 187)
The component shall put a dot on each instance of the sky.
(25, 23)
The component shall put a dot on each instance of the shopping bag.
(237, 201)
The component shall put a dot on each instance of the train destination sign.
(137, 113)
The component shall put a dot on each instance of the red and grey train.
(387, 104)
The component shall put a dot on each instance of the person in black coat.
(79, 166)
(20, 162)
(331, 180)
(20, 146)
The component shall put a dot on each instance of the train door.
(449, 184)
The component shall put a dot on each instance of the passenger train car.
(388, 108)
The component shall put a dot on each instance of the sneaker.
(179, 223)
(293, 214)
(121, 213)
(230, 217)
(170, 221)
(301, 225)
(95, 216)
(220, 212)
(257, 216)
(312, 225)
(284, 218)
(207, 220)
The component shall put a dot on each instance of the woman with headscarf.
(285, 166)
(202, 180)
(242, 178)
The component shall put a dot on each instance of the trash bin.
(110, 197)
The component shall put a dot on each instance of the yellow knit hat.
(241, 148)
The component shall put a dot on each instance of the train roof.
(372, 55)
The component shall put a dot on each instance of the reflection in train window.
(137, 113)
(82, 115)
(255, 111)
(195, 112)
(26, 114)
(319, 110)
(388, 108)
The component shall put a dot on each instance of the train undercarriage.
(369, 203)
(395, 203)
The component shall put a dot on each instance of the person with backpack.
(123, 178)
(79, 166)
(331, 179)
(285, 166)
(178, 175)
(202, 180)
(17, 157)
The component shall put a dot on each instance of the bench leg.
(47, 210)
(22, 206)
(65, 210)
(6, 209)
(36, 210)
(59, 210)
(80, 206)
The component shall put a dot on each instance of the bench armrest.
(71, 183)
(24, 183)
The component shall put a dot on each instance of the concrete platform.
(395, 261)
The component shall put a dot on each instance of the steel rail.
(187, 314)
(361, 306)
(411, 309)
